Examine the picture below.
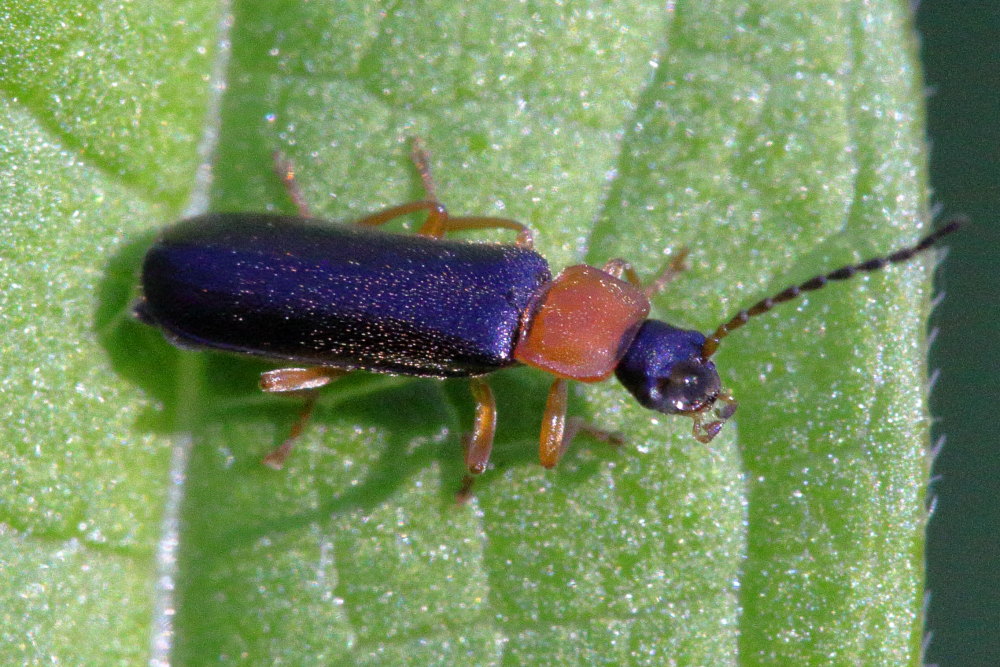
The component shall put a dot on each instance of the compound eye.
(690, 387)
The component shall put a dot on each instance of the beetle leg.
(439, 222)
(283, 380)
(422, 161)
(575, 425)
(620, 268)
(558, 431)
(437, 218)
(676, 265)
(286, 172)
(551, 441)
(525, 238)
(479, 444)
(435, 212)
(276, 457)
(306, 381)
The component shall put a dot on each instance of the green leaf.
(773, 140)
(89, 94)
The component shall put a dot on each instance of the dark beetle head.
(665, 371)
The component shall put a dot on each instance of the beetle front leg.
(552, 439)
(558, 431)
(305, 381)
(676, 266)
(619, 268)
(479, 444)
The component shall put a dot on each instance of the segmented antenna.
(843, 273)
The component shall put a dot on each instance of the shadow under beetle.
(338, 298)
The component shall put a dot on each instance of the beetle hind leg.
(422, 161)
(302, 381)
(286, 172)
(276, 457)
(285, 380)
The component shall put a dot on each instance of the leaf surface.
(773, 140)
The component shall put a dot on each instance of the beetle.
(336, 298)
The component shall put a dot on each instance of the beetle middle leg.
(479, 443)
(437, 214)
(439, 222)
(301, 381)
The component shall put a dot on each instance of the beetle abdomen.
(284, 287)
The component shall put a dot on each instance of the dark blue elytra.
(346, 296)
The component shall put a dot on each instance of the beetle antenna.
(875, 264)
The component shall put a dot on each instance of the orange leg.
(422, 161)
(283, 380)
(437, 216)
(276, 457)
(438, 221)
(558, 431)
(305, 381)
(705, 428)
(575, 425)
(439, 224)
(286, 172)
(479, 444)
(525, 238)
(550, 447)
(620, 268)
(676, 265)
